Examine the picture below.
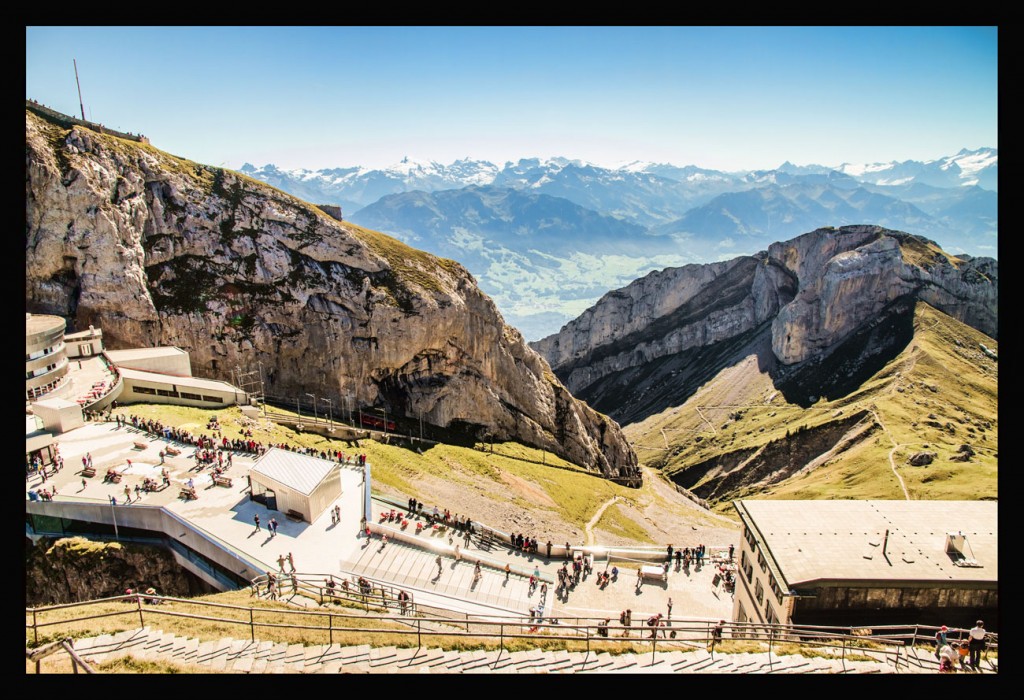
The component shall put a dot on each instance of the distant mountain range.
(546, 237)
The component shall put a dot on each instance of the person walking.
(272, 526)
(256, 519)
(716, 635)
(549, 549)
(508, 570)
(940, 640)
(291, 562)
(438, 561)
(976, 644)
(83, 484)
(280, 563)
(670, 608)
(639, 579)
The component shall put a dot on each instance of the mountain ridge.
(158, 250)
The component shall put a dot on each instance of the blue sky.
(728, 98)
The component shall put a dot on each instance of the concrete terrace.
(225, 515)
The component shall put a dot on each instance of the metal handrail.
(689, 632)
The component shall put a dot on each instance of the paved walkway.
(322, 548)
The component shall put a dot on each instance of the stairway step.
(356, 654)
(186, 652)
(426, 657)
(218, 660)
(294, 658)
(203, 652)
(276, 664)
(313, 658)
(627, 660)
(382, 656)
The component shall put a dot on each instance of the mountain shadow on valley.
(845, 367)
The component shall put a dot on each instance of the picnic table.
(222, 481)
(89, 471)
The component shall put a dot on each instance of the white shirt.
(977, 633)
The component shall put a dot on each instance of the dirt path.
(597, 516)
(895, 446)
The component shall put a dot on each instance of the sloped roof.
(117, 356)
(297, 471)
(139, 375)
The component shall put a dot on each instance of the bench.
(187, 493)
(173, 451)
(656, 573)
(294, 515)
(222, 481)
(114, 477)
(139, 445)
(89, 471)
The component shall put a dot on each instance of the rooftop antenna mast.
(80, 106)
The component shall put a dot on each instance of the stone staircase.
(242, 656)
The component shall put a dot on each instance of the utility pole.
(113, 515)
(263, 394)
(80, 106)
(315, 419)
(330, 409)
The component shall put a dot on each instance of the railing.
(891, 645)
(37, 655)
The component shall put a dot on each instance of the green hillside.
(738, 437)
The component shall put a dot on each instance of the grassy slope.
(942, 372)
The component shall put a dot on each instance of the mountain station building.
(868, 563)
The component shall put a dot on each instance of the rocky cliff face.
(73, 569)
(157, 250)
(815, 290)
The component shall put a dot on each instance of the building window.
(166, 392)
(194, 397)
(769, 614)
(143, 390)
(213, 399)
(761, 560)
(759, 592)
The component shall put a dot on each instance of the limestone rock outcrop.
(814, 290)
(157, 250)
(72, 569)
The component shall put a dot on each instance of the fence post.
(252, 627)
(501, 637)
(843, 658)
(138, 601)
(35, 630)
(771, 637)
(419, 622)
(330, 629)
